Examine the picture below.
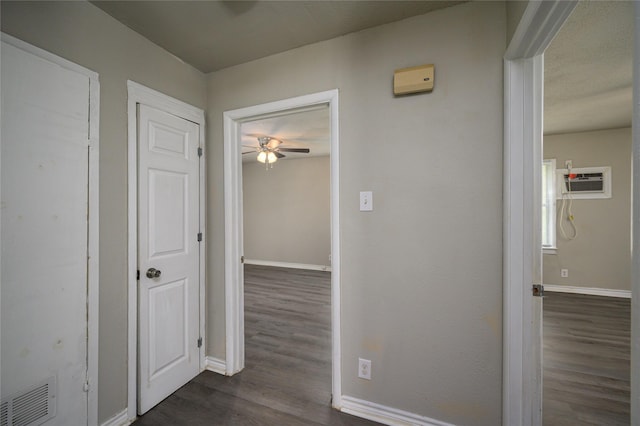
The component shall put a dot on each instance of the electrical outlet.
(364, 368)
(564, 273)
(568, 164)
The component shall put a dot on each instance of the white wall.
(287, 211)
(84, 34)
(421, 274)
(600, 256)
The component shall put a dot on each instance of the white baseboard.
(120, 419)
(215, 364)
(288, 265)
(386, 415)
(593, 291)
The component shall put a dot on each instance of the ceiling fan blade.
(303, 150)
(278, 154)
(248, 152)
(273, 143)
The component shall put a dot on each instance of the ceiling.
(307, 129)
(588, 69)
(211, 35)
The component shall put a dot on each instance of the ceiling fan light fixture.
(267, 157)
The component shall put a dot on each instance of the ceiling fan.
(269, 150)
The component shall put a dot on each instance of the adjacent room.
(587, 217)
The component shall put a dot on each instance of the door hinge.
(199, 152)
(199, 236)
(241, 259)
(538, 290)
(138, 275)
(86, 387)
(199, 342)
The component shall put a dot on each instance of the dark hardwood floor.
(586, 360)
(287, 375)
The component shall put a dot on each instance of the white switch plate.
(366, 201)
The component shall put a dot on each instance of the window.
(548, 206)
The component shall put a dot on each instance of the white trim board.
(216, 365)
(635, 228)
(522, 265)
(234, 292)
(139, 94)
(93, 277)
(592, 291)
(120, 419)
(93, 298)
(306, 266)
(386, 415)
(49, 56)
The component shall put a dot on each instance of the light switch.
(366, 201)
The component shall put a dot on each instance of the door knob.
(153, 273)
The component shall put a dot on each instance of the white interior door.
(168, 254)
(45, 166)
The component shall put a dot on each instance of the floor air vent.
(4, 413)
(32, 407)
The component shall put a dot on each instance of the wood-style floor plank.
(287, 375)
(586, 360)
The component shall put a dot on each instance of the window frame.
(549, 201)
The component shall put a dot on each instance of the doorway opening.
(287, 250)
(586, 262)
(522, 373)
(234, 217)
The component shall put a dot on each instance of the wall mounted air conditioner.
(585, 183)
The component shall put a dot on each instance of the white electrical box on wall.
(584, 183)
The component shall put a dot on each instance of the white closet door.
(168, 226)
(44, 194)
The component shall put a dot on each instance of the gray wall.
(82, 33)
(515, 10)
(600, 256)
(287, 211)
(422, 274)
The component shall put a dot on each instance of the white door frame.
(93, 278)
(138, 94)
(522, 251)
(635, 226)
(234, 288)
